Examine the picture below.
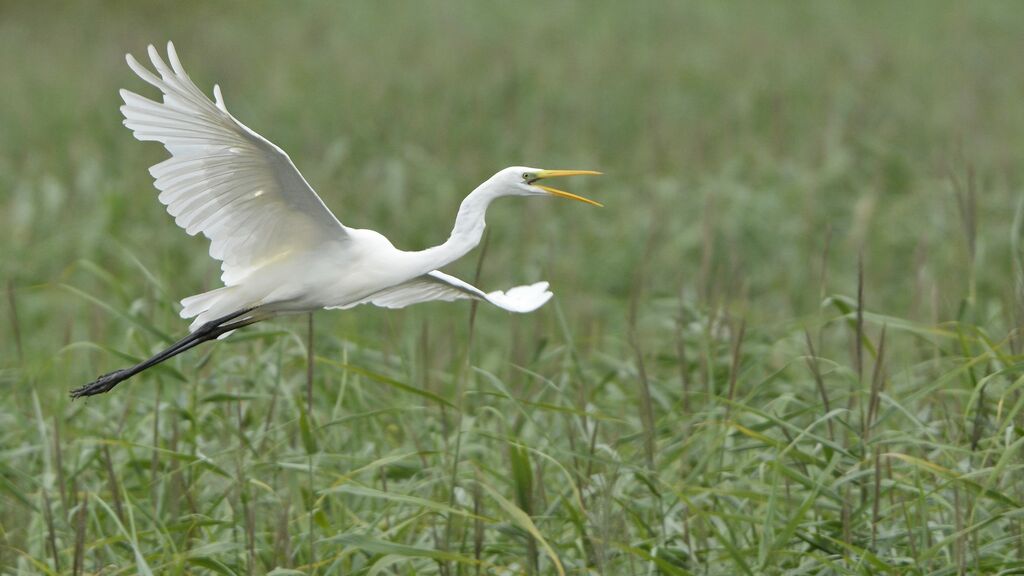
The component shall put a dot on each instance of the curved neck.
(468, 229)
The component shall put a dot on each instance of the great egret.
(281, 250)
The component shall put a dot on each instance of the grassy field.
(791, 342)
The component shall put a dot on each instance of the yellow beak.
(561, 193)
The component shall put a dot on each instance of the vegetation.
(790, 344)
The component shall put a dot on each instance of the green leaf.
(212, 565)
(308, 437)
(385, 380)
(367, 492)
(971, 485)
(373, 545)
(522, 476)
(664, 565)
(228, 397)
(523, 520)
(120, 313)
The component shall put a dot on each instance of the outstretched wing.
(440, 286)
(222, 179)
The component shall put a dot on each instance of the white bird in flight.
(281, 250)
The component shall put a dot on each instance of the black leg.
(209, 331)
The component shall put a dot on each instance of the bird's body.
(281, 250)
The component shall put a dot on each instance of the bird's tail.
(208, 306)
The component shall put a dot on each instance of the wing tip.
(522, 299)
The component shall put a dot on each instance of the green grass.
(708, 393)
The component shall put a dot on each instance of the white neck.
(467, 232)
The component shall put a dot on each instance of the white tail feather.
(208, 306)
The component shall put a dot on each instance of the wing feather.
(224, 180)
(438, 286)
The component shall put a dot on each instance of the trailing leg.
(209, 331)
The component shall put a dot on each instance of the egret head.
(526, 181)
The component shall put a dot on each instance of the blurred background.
(703, 395)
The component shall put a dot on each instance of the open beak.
(561, 193)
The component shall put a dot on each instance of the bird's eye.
(526, 175)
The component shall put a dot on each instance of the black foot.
(102, 384)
